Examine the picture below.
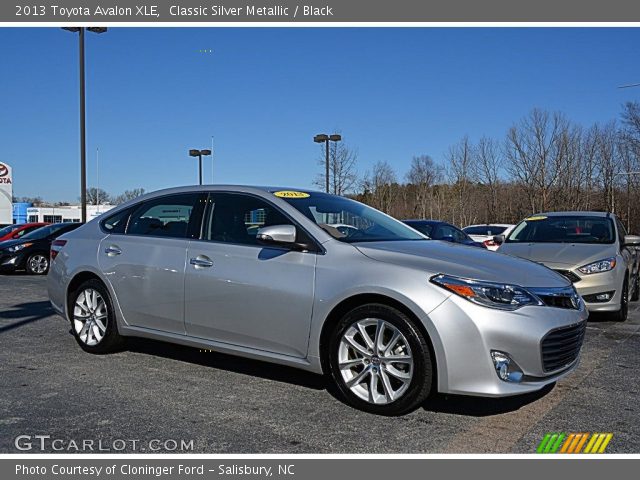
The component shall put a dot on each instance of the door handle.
(112, 251)
(201, 261)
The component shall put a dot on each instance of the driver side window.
(236, 218)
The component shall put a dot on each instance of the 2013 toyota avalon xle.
(261, 272)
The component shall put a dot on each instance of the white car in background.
(484, 233)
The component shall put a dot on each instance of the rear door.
(243, 293)
(146, 265)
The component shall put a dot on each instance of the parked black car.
(438, 230)
(31, 252)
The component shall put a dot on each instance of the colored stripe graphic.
(558, 442)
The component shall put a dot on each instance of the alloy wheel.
(375, 361)
(90, 317)
(38, 264)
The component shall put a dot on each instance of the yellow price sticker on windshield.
(291, 194)
(533, 219)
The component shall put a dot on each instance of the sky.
(263, 93)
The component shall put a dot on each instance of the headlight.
(599, 266)
(488, 294)
(17, 248)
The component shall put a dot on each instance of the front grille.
(561, 347)
(570, 275)
(560, 301)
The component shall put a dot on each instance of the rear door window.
(175, 216)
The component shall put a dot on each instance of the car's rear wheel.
(37, 264)
(92, 319)
(622, 314)
(380, 361)
(635, 296)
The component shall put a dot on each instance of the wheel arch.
(77, 280)
(361, 299)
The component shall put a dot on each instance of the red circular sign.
(4, 170)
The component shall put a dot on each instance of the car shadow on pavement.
(482, 406)
(27, 313)
(230, 363)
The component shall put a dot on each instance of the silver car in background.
(592, 249)
(265, 273)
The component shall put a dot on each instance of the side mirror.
(632, 240)
(499, 239)
(277, 235)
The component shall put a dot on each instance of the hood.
(567, 255)
(435, 257)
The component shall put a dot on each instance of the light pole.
(324, 138)
(199, 154)
(83, 149)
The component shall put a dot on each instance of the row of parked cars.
(27, 246)
(330, 285)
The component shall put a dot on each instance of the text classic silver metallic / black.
(276, 275)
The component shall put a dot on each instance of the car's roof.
(491, 225)
(574, 213)
(429, 222)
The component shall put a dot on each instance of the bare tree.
(488, 164)
(423, 174)
(343, 176)
(128, 195)
(97, 196)
(378, 185)
(461, 173)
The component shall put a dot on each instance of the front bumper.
(10, 262)
(468, 333)
(598, 283)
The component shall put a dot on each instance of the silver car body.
(272, 305)
(567, 258)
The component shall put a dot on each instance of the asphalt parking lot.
(157, 391)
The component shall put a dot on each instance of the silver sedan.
(388, 314)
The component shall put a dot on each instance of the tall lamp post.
(83, 149)
(199, 154)
(324, 138)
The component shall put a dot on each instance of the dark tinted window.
(425, 228)
(169, 216)
(450, 231)
(50, 231)
(117, 223)
(236, 218)
(6, 230)
(564, 229)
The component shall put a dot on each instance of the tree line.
(544, 162)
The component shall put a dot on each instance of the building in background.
(67, 213)
(6, 194)
(20, 212)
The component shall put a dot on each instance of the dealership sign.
(6, 194)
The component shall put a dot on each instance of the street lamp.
(199, 154)
(324, 138)
(83, 149)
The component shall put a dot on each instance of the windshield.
(44, 232)
(7, 230)
(563, 229)
(350, 221)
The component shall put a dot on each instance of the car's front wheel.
(92, 319)
(380, 361)
(622, 314)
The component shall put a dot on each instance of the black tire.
(420, 384)
(635, 296)
(37, 263)
(622, 314)
(112, 341)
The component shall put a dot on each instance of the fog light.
(506, 369)
(603, 297)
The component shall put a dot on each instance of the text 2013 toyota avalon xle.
(260, 272)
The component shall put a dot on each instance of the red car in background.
(13, 232)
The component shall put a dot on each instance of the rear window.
(484, 230)
(564, 229)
